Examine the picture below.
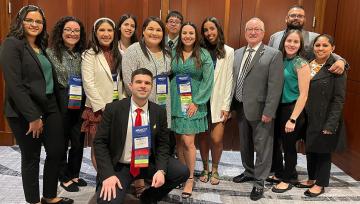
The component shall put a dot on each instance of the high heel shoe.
(186, 195)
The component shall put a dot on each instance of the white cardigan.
(222, 92)
(97, 80)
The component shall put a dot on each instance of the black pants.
(30, 147)
(286, 142)
(319, 166)
(177, 173)
(72, 163)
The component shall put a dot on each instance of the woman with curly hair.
(31, 108)
(102, 81)
(67, 44)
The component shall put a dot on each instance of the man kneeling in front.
(132, 141)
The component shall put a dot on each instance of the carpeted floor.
(342, 189)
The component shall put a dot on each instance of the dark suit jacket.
(263, 83)
(111, 135)
(324, 109)
(24, 80)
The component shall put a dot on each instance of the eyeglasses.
(256, 30)
(69, 31)
(174, 22)
(299, 16)
(30, 21)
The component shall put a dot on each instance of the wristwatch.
(292, 120)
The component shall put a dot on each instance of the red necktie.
(134, 171)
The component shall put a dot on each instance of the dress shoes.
(81, 182)
(62, 201)
(300, 185)
(271, 179)
(310, 194)
(279, 190)
(242, 178)
(70, 188)
(256, 193)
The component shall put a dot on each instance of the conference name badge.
(184, 89)
(141, 145)
(162, 88)
(75, 92)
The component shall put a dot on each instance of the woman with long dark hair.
(102, 81)
(220, 100)
(126, 31)
(150, 53)
(325, 128)
(190, 90)
(31, 104)
(67, 44)
(290, 119)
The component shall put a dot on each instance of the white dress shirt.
(126, 155)
(245, 56)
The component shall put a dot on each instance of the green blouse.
(202, 80)
(47, 70)
(291, 88)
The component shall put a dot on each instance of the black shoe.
(300, 185)
(256, 193)
(81, 182)
(70, 188)
(145, 198)
(242, 178)
(309, 194)
(271, 179)
(279, 190)
(62, 201)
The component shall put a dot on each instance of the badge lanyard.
(183, 82)
(162, 85)
(141, 138)
(75, 88)
(115, 86)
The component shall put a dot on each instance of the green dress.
(202, 80)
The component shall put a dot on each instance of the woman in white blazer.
(220, 101)
(101, 75)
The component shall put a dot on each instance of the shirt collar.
(255, 48)
(174, 40)
(135, 106)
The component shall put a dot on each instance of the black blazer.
(324, 110)
(24, 79)
(111, 134)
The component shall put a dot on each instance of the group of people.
(138, 100)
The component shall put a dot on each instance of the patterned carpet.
(342, 189)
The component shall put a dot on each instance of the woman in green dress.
(190, 90)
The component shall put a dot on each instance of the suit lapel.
(33, 55)
(124, 120)
(152, 116)
(238, 65)
(219, 64)
(323, 72)
(104, 64)
(256, 58)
